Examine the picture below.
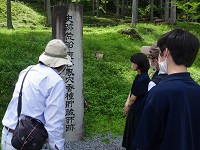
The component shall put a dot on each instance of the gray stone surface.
(107, 142)
(68, 26)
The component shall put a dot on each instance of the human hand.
(126, 109)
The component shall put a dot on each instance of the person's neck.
(174, 68)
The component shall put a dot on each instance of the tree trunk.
(122, 9)
(161, 9)
(134, 12)
(9, 15)
(45, 4)
(173, 12)
(161, 3)
(117, 8)
(97, 7)
(137, 10)
(126, 9)
(167, 11)
(93, 7)
(49, 15)
(152, 5)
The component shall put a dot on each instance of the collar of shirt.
(176, 76)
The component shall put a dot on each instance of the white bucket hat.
(55, 54)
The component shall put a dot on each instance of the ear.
(166, 52)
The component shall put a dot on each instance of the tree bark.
(93, 7)
(9, 15)
(161, 8)
(167, 11)
(126, 9)
(49, 15)
(97, 7)
(117, 8)
(122, 12)
(173, 12)
(134, 12)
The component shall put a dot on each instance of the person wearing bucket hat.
(43, 96)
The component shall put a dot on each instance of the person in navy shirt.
(171, 115)
(139, 88)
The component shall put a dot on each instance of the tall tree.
(167, 11)
(126, 9)
(134, 12)
(117, 8)
(9, 15)
(95, 7)
(161, 3)
(161, 8)
(48, 11)
(122, 10)
(173, 12)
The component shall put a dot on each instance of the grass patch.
(23, 15)
(19, 48)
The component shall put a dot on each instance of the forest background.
(107, 80)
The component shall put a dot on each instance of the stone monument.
(68, 26)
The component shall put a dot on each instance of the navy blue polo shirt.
(139, 88)
(171, 116)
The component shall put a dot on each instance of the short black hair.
(141, 60)
(182, 45)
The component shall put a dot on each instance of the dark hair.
(141, 60)
(154, 54)
(182, 45)
(154, 51)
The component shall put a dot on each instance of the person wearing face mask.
(43, 96)
(132, 107)
(153, 53)
(171, 118)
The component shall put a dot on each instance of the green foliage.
(189, 10)
(144, 12)
(22, 15)
(2, 11)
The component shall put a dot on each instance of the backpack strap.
(19, 106)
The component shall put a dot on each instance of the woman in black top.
(139, 88)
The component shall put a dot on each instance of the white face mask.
(163, 66)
